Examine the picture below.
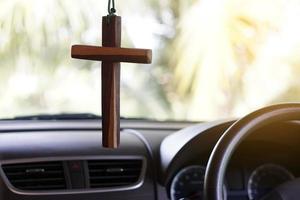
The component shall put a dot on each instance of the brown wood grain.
(111, 37)
(111, 54)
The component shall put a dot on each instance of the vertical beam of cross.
(111, 55)
(111, 37)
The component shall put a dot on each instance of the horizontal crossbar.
(112, 54)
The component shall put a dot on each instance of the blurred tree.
(229, 56)
(38, 74)
(212, 58)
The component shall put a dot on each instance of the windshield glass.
(212, 58)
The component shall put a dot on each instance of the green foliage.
(212, 59)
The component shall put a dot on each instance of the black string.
(111, 7)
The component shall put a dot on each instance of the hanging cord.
(111, 7)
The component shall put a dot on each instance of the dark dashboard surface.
(164, 148)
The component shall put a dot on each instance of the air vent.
(36, 176)
(114, 173)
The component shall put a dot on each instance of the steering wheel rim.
(233, 136)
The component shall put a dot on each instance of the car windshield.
(212, 59)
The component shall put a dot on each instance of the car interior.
(211, 142)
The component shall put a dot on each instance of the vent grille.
(36, 176)
(114, 173)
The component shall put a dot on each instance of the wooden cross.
(111, 55)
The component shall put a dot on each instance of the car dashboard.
(64, 159)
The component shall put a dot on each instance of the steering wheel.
(233, 136)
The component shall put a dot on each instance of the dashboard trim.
(181, 138)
